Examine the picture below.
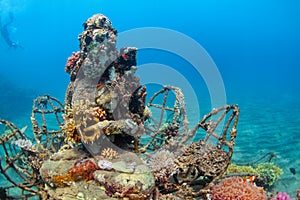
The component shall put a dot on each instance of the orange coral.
(99, 114)
(60, 180)
(70, 131)
(235, 188)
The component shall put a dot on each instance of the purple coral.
(109, 189)
(282, 196)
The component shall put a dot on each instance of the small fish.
(249, 179)
(293, 170)
(23, 129)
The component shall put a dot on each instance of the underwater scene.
(108, 99)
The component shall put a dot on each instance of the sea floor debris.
(104, 142)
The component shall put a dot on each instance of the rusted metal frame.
(156, 132)
(10, 164)
(56, 109)
(19, 171)
(39, 111)
(25, 171)
(178, 108)
(211, 128)
(10, 161)
(234, 116)
(156, 94)
(160, 107)
(19, 185)
(13, 130)
(162, 110)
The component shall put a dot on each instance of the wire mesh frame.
(53, 139)
(210, 127)
(13, 157)
(179, 113)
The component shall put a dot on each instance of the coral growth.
(83, 170)
(71, 134)
(268, 172)
(282, 196)
(105, 102)
(99, 114)
(24, 144)
(233, 168)
(105, 164)
(235, 188)
(109, 153)
(71, 62)
(61, 181)
(265, 173)
(162, 165)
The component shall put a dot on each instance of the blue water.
(254, 44)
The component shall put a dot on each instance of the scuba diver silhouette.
(5, 33)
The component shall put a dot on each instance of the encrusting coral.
(81, 170)
(71, 62)
(234, 188)
(234, 168)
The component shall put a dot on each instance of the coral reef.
(235, 188)
(201, 163)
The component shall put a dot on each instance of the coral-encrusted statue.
(108, 101)
(110, 145)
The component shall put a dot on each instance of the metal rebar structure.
(204, 162)
(50, 139)
(160, 131)
(22, 157)
(14, 166)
